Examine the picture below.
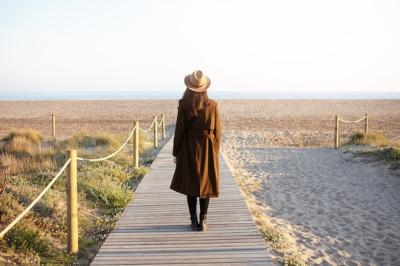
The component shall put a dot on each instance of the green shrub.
(357, 138)
(114, 197)
(8, 207)
(103, 186)
(293, 261)
(140, 172)
(274, 236)
(389, 154)
(392, 154)
(62, 258)
(26, 239)
(100, 170)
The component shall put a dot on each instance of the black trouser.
(192, 201)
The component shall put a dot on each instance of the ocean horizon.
(165, 95)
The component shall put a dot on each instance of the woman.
(196, 147)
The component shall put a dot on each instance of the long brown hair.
(194, 102)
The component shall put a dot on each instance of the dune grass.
(376, 139)
(276, 238)
(33, 136)
(385, 149)
(28, 163)
(390, 155)
(90, 141)
(21, 152)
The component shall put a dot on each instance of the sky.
(137, 46)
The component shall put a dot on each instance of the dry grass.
(33, 136)
(376, 139)
(22, 142)
(21, 152)
(18, 164)
(382, 148)
(86, 141)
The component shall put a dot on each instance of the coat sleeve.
(218, 127)
(179, 128)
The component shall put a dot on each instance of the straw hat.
(197, 81)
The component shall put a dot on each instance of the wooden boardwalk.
(154, 228)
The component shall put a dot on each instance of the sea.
(216, 94)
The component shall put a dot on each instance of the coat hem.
(197, 195)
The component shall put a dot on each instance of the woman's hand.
(174, 159)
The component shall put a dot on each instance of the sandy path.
(340, 210)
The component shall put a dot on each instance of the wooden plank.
(154, 228)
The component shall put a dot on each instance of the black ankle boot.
(203, 222)
(194, 223)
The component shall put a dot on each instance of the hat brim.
(191, 87)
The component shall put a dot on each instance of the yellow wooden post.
(336, 132)
(155, 132)
(136, 145)
(53, 123)
(72, 203)
(163, 126)
(366, 124)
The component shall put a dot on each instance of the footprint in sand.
(345, 209)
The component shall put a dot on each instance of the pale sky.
(103, 46)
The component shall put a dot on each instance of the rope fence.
(337, 120)
(364, 119)
(112, 154)
(150, 127)
(72, 173)
(145, 130)
(356, 121)
(27, 209)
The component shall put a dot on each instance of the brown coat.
(196, 151)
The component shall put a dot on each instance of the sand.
(75, 117)
(338, 209)
(333, 208)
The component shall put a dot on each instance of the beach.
(267, 122)
(337, 209)
(333, 207)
